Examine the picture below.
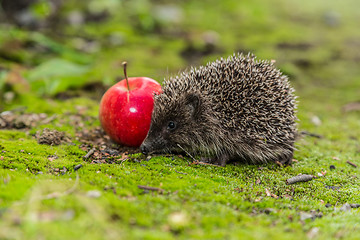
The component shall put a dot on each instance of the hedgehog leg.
(221, 159)
(286, 159)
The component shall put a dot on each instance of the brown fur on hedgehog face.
(173, 123)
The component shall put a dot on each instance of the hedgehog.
(234, 109)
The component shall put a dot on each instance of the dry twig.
(181, 172)
(150, 188)
(352, 164)
(186, 153)
(91, 152)
(204, 163)
(299, 178)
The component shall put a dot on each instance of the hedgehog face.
(172, 123)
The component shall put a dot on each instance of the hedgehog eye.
(171, 125)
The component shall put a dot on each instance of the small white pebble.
(68, 215)
(93, 194)
(305, 215)
(313, 233)
(316, 120)
(346, 207)
(178, 220)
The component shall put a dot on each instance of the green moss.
(197, 201)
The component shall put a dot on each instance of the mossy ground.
(315, 43)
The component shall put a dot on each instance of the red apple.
(126, 107)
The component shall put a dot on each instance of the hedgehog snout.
(152, 144)
(144, 149)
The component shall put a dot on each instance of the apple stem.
(126, 76)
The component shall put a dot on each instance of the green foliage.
(41, 9)
(56, 75)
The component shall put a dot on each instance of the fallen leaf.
(267, 192)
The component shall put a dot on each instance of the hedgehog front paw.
(286, 159)
(220, 160)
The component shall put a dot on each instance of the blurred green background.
(59, 56)
(48, 47)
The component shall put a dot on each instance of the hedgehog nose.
(144, 149)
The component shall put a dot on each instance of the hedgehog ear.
(193, 104)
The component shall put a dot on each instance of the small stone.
(178, 220)
(305, 215)
(77, 167)
(63, 171)
(346, 207)
(116, 39)
(93, 194)
(211, 38)
(168, 13)
(40, 172)
(68, 215)
(268, 210)
(75, 18)
(318, 214)
(9, 97)
(332, 187)
(316, 120)
(332, 18)
(354, 205)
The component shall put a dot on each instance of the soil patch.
(100, 148)
(103, 149)
(51, 137)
